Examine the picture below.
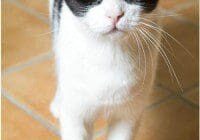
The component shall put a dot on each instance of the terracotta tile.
(100, 124)
(17, 125)
(23, 36)
(100, 129)
(41, 6)
(170, 4)
(33, 86)
(191, 13)
(41, 84)
(193, 95)
(185, 65)
(101, 138)
(172, 120)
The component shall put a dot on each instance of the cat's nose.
(116, 17)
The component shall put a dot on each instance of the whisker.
(46, 33)
(138, 50)
(140, 47)
(166, 59)
(166, 33)
(145, 60)
(149, 49)
(164, 15)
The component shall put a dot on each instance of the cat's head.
(108, 17)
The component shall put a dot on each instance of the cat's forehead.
(80, 7)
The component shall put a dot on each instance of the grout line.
(193, 105)
(173, 95)
(34, 115)
(29, 10)
(154, 105)
(186, 90)
(181, 96)
(30, 62)
(164, 89)
(37, 58)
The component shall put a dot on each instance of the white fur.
(96, 73)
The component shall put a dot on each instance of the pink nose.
(116, 18)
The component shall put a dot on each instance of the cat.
(106, 54)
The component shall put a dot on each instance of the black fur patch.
(57, 6)
(147, 5)
(80, 7)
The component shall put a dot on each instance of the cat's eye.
(89, 2)
(142, 1)
(145, 4)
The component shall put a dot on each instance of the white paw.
(54, 108)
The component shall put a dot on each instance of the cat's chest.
(98, 69)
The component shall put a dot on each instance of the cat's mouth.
(114, 30)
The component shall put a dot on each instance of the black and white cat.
(106, 54)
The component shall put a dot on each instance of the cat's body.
(99, 72)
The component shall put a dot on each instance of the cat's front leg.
(121, 130)
(72, 126)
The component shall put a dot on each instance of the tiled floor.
(29, 80)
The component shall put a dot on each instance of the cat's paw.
(54, 108)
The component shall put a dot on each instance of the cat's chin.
(114, 34)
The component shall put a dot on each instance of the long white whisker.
(173, 73)
(138, 49)
(156, 45)
(161, 30)
(149, 49)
